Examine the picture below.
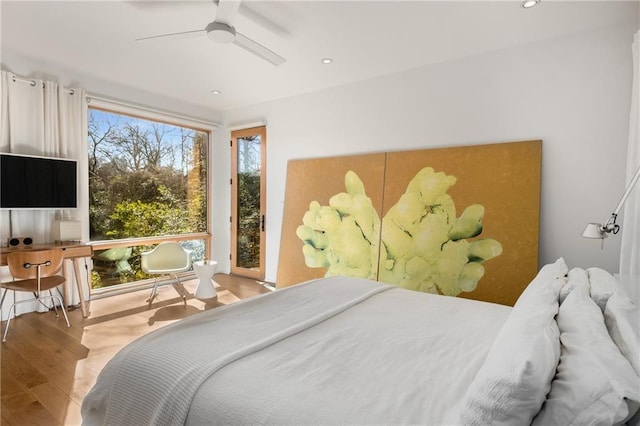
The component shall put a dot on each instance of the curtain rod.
(33, 83)
(198, 122)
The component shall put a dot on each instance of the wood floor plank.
(80, 385)
(43, 353)
(6, 417)
(15, 366)
(24, 407)
(33, 413)
(46, 369)
(61, 335)
(55, 401)
(11, 385)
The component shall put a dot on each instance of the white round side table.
(205, 269)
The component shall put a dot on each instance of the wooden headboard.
(419, 213)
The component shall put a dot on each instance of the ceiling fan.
(221, 30)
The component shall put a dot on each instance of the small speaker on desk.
(67, 230)
(19, 242)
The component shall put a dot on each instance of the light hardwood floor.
(47, 368)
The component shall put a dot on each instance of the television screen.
(30, 182)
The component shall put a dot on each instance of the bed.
(353, 351)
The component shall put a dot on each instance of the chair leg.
(55, 308)
(53, 300)
(61, 296)
(4, 293)
(6, 329)
(177, 285)
(154, 292)
(180, 289)
(64, 311)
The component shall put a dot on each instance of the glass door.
(248, 150)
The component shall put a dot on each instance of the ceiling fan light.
(220, 32)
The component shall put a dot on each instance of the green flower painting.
(423, 245)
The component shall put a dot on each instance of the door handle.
(262, 220)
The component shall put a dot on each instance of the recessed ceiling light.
(529, 3)
(326, 61)
(215, 92)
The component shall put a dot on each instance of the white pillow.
(539, 284)
(594, 384)
(603, 285)
(577, 277)
(511, 385)
(622, 319)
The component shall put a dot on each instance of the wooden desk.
(70, 251)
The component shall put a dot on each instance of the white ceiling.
(96, 39)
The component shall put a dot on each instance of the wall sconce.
(598, 230)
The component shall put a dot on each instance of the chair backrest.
(166, 258)
(22, 264)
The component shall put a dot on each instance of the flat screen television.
(37, 183)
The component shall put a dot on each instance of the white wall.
(572, 92)
(29, 67)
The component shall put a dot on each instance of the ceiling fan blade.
(258, 49)
(227, 10)
(175, 36)
(160, 4)
(260, 19)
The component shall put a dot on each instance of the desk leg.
(76, 271)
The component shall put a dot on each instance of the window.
(147, 184)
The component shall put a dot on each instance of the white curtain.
(630, 251)
(43, 118)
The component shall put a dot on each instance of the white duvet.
(330, 351)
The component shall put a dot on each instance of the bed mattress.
(336, 350)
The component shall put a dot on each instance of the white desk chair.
(167, 259)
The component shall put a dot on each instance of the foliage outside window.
(146, 179)
(249, 164)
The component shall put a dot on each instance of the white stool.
(204, 270)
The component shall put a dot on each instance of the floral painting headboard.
(460, 221)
